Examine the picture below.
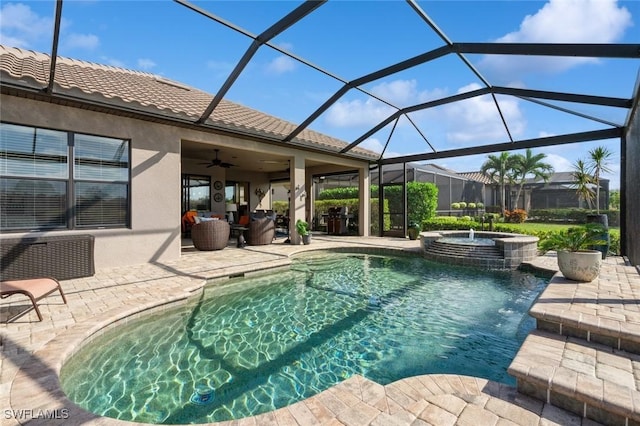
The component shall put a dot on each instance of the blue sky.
(350, 39)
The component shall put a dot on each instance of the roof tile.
(151, 93)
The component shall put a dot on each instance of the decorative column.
(297, 176)
(364, 189)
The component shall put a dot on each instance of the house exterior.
(117, 153)
(559, 192)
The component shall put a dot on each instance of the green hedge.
(571, 216)
(614, 235)
(280, 207)
(344, 193)
(448, 223)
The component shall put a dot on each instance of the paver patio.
(33, 351)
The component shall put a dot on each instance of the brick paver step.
(603, 311)
(586, 378)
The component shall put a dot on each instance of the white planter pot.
(581, 266)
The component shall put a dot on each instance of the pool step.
(587, 378)
(584, 355)
(588, 316)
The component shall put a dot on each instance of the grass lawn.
(537, 227)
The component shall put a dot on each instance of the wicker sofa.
(261, 231)
(210, 235)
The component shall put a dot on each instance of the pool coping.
(36, 386)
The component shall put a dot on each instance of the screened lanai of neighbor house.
(121, 153)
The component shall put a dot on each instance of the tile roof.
(478, 177)
(149, 93)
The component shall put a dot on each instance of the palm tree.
(530, 165)
(583, 181)
(500, 167)
(599, 163)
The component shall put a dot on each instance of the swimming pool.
(266, 342)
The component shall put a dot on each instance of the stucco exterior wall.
(155, 180)
(156, 168)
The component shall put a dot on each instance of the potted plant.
(576, 260)
(303, 230)
(413, 230)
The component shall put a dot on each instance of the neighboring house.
(121, 154)
(560, 191)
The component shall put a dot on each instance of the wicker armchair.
(210, 235)
(261, 232)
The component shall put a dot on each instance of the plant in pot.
(303, 230)
(413, 230)
(576, 260)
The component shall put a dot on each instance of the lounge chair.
(35, 289)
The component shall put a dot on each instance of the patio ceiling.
(438, 47)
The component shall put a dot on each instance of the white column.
(298, 196)
(364, 189)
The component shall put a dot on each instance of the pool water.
(468, 241)
(267, 342)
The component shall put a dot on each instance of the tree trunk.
(518, 197)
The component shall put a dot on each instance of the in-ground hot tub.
(508, 250)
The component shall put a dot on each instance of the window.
(196, 193)
(58, 180)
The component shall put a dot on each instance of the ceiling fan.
(216, 162)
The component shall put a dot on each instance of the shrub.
(614, 243)
(343, 193)
(447, 219)
(463, 205)
(455, 206)
(471, 205)
(280, 207)
(442, 223)
(515, 216)
(422, 201)
(480, 205)
(573, 239)
(467, 218)
(571, 215)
